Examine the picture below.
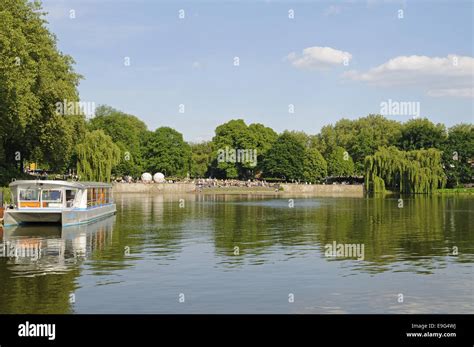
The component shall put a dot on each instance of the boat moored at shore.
(68, 203)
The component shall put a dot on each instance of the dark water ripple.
(246, 254)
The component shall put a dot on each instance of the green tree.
(417, 171)
(340, 162)
(314, 164)
(236, 135)
(78, 126)
(286, 158)
(128, 132)
(97, 156)
(34, 77)
(53, 152)
(232, 135)
(370, 133)
(360, 137)
(326, 140)
(264, 137)
(315, 167)
(301, 137)
(201, 158)
(458, 154)
(165, 151)
(421, 133)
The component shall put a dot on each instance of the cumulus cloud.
(438, 76)
(314, 58)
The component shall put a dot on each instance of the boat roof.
(72, 184)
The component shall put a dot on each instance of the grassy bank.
(455, 191)
(465, 191)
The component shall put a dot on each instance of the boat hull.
(64, 217)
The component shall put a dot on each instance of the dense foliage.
(97, 155)
(360, 137)
(417, 171)
(415, 156)
(165, 151)
(201, 159)
(340, 162)
(421, 133)
(458, 154)
(128, 132)
(236, 135)
(286, 158)
(34, 76)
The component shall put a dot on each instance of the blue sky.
(332, 60)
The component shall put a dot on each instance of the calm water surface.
(158, 250)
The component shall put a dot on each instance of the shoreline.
(284, 189)
(337, 190)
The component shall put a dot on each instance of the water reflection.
(225, 248)
(40, 263)
(424, 228)
(261, 226)
(38, 249)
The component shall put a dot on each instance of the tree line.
(113, 143)
(35, 76)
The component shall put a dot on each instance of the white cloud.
(438, 76)
(318, 58)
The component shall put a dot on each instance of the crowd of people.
(219, 183)
(201, 182)
(225, 183)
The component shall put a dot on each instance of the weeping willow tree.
(418, 171)
(96, 157)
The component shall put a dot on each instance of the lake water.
(247, 254)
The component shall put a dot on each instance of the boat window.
(29, 194)
(70, 196)
(90, 198)
(98, 196)
(51, 195)
(51, 198)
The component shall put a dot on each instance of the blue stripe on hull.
(92, 219)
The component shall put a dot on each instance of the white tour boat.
(64, 202)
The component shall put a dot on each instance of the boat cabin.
(60, 194)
